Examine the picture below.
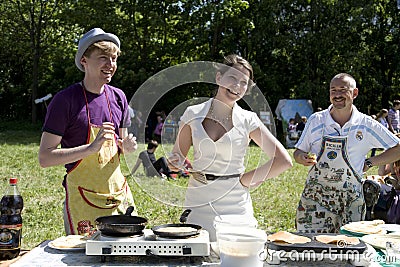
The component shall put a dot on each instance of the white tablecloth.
(43, 255)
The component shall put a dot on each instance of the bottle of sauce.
(11, 206)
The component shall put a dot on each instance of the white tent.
(292, 108)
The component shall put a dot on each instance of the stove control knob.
(186, 250)
(106, 251)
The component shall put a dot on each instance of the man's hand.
(310, 159)
(128, 144)
(105, 134)
(306, 159)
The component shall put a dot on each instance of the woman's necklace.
(211, 115)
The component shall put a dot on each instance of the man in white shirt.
(341, 137)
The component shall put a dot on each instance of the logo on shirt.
(359, 136)
(332, 155)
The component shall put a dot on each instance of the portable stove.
(148, 244)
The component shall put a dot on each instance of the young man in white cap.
(89, 120)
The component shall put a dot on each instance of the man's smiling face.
(341, 94)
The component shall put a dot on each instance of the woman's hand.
(175, 162)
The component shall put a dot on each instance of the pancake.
(340, 240)
(69, 241)
(180, 229)
(286, 237)
(365, 227)
(312, 156)
(379, 241)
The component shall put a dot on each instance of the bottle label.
(10, 236)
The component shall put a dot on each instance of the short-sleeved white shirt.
(226, 155)
(363, 133)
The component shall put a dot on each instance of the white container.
(242, 247)
(223, 223)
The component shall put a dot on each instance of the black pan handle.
(184, 215)
(129, 210)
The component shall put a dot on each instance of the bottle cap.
(13, 180)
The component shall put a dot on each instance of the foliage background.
(295, 46)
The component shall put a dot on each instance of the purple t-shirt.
(67, 114)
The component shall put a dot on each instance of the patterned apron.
(96, 186)
(223, 196)
(333, 194)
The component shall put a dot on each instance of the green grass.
(275, 201)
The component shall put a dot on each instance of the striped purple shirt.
(393, 118)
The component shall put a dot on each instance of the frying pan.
(121, 225)
(158, 230)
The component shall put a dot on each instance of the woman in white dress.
(220, 131)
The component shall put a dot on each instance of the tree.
(381, 58)
(34, 26)
(295, 46)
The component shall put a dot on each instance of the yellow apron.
(96, 186)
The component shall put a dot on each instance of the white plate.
(390, 227)
(69, 243)
(50, 245)
(379, 241)
(359, 234)
(362, 228)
